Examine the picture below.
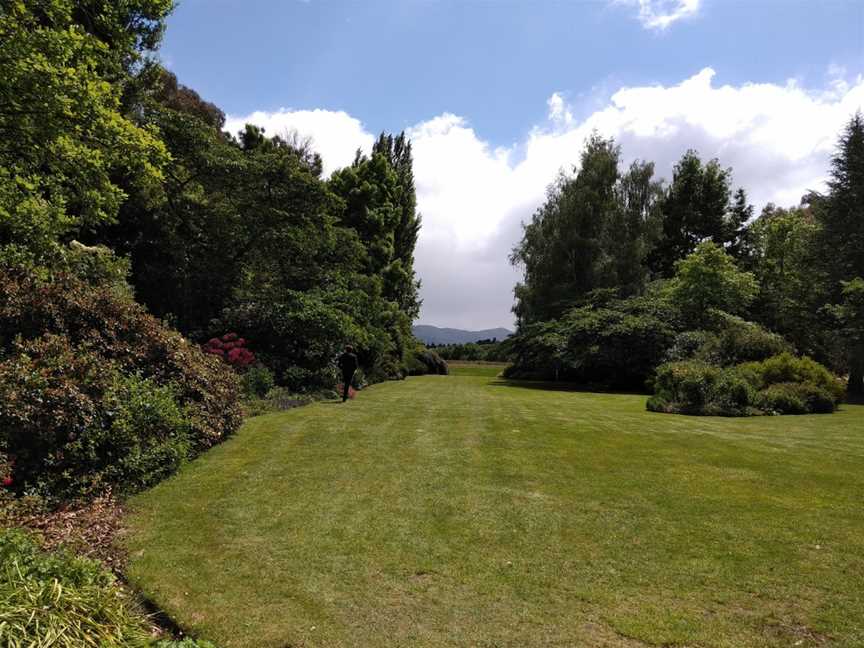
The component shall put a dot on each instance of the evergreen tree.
(841, 241)
(696, 208)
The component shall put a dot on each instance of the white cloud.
(335, 135)
(777, 137)
(659, 14)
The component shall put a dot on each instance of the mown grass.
(468, 511)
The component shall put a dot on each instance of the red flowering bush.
(231, 349)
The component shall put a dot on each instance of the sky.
(498, 97)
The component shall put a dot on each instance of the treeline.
(126, 211)
(489, 350)
(623, 272)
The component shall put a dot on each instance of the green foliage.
(257, 381)
(426, 361)
(708, 281)
(592, 232)
(62, 601)
(76, 425)
(736, 341)
(795, 398)
(611, 343)
(696, 208)
(786, 368)
(95, 392)
(60, 114)
(783, 384)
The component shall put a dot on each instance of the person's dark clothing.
(348, 365)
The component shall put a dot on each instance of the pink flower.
(229, 337)
(8, 481)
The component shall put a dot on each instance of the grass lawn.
(466, 511)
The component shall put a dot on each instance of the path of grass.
(462, 511)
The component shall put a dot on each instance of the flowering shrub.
(74, 344)
(232, 349)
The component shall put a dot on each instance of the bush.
(80, 355)
(783, 384)
(75, 424)
(614, 344)
(257, 381)
(786, 368)
(426, 361)
(742, 341)
(684, 386)
(731, 395)
(62, 601)
(795, 398)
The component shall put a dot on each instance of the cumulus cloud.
(335, 135)
(777, 137)
(659, 14)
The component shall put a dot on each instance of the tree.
(564, 250)
(634, 228)
(783, 257)
(401, 284)
(707, 281)
(740, 215)
(850, 313)
(696, 208)
(68, 150)
(841, 239)
(841, 214)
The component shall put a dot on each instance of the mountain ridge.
(429, 334)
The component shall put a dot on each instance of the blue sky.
(510, 89)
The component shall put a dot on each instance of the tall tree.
(696, 208)
(634, 229)
(841, 241)
(562, 251)
(402, 285)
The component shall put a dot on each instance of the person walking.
(348, 365)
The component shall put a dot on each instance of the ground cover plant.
(62, 601)
(472, 510)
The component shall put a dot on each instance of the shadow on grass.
(562, 387)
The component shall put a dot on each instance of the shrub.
(74, 345)
(742, 341)
(783, 384)
(75, 424)
(614, 344)
(731, 394)
(62, 601)
(426, 361)
(257, 381)
(735, 341)
(786, 368)
(119, 330)
(685, 383)
(231, 349)
(795, 398)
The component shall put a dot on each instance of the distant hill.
(435, 335)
